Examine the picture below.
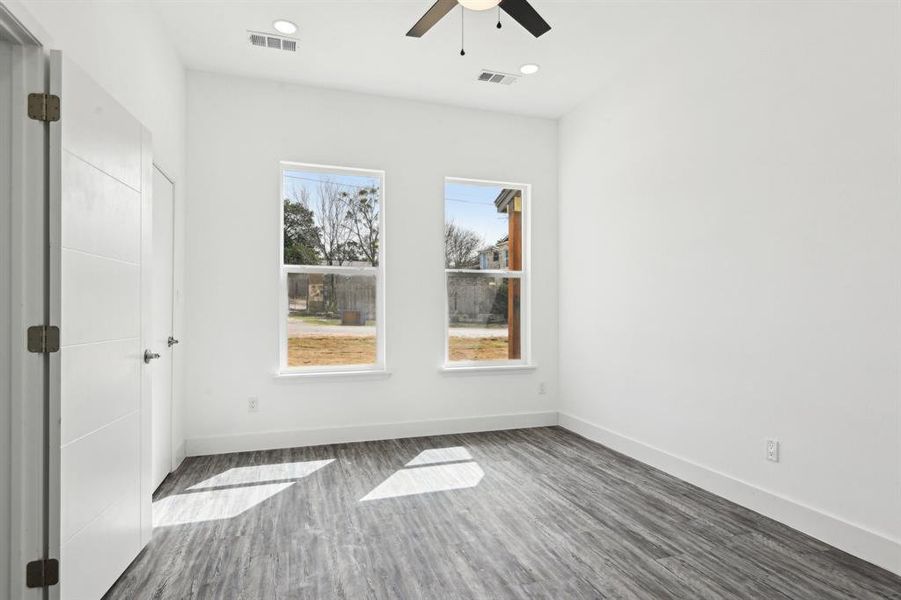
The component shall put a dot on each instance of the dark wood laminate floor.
(537, 513)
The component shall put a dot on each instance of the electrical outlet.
(542, 388)
(253, 404)
(772, 450)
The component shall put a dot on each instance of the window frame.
(524, 276)
(380, 365)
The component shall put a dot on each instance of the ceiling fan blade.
(523, 13)
(432, 16)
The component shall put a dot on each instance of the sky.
(472, 207)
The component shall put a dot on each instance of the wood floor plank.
(536, 513)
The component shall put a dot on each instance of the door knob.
(172, 341)
(148, 356)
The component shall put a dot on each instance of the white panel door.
(163, 197)
(101, 156)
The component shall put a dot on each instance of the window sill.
(487, 369)
(361, 375)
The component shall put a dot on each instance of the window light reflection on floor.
(181, 509)
(417, 479)
(440, 455)
(231, 493)
(262, 473)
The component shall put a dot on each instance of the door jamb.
(173, 460)
(30, 536)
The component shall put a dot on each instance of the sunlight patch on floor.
(440, 455)
(262, 473)
(213, 505)
(425, 480)
(231, 493)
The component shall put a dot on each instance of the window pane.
(331, 319)
(482, 227)
(331, 218)
(484, 319)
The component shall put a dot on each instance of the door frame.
(30, 399)
(173, 459)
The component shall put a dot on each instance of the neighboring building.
(496, 256)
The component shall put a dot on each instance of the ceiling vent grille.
(264, 40)
(497, 77)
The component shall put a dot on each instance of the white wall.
(123, 46)
(739, 196)
(238, 131)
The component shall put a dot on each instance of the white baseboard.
(853, 539)
(270, 440)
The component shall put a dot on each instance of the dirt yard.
(360, 350)
(330, 350)
(478, 348)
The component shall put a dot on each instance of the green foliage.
(301, 235)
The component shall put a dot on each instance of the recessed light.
(283, 26)
(529, 69)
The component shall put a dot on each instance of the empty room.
(454, 299)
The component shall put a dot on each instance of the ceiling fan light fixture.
(284, 26)
(479, 4)
(529, 69)
(519, 10)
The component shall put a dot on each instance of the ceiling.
(360, 45)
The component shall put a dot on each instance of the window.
(486, 268)
(332, 269)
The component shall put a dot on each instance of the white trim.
(487, 272)
(326, 169)
(375, 271)
(21, 26)
(524, 275)
(346, 270)
(486, 368)
(163, 172)
(329, 370)
(54, 290)
(268, 440)
(461, 365)
(855, 539)
(348, 373)
(173, 461)
(488, 182)
(25, 288)
(146, 303)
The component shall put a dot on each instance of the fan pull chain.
(499, 16)
(462, 31)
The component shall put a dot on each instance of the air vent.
(497, 77)
(264, 40)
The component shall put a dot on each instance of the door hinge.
(42, 573)
(43, 339)
(43, 107)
